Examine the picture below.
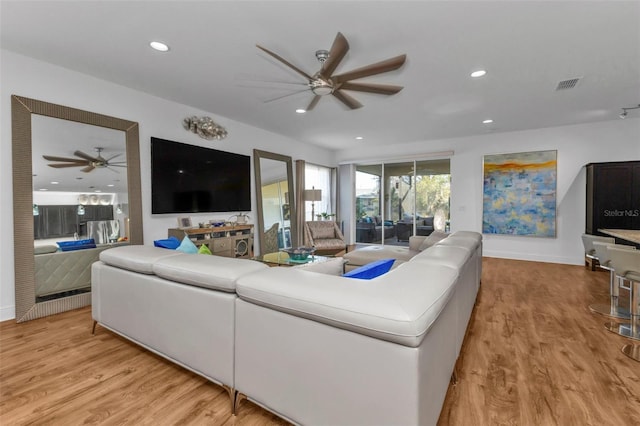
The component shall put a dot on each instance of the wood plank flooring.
(534, 355)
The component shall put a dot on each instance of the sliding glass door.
(396, 200)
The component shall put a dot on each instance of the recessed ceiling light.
(478, 73)
(54, 182)
(489, 121)
(43, 189)
(159, 46)
(97, 190)
(301, 111)
(359, 138)
(111, 185)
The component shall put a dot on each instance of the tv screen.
(192, 179)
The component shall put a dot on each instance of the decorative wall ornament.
(205, 127)
(519, 196)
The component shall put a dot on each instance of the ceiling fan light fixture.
(321, 87)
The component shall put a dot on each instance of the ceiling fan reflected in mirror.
(86, 161)
(325, 83)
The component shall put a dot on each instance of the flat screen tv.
(192, 179)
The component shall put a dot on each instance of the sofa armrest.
(416, 241)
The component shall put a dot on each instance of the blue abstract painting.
(519, 194)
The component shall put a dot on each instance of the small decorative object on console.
(205, 127)
(300, 253)
(184, 223)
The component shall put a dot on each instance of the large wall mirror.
(66, 134)
(275, 200)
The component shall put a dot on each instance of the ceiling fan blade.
(63, 165)
(286, 96)
(87, 169)
(85, 156)
(284, 61)
(347, 99)
(314, 102)
(111, 158)
(339, 48)
(117, 165)
(72, 160)
(373, 69)
(381, 89)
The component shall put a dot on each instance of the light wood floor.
(534, 355)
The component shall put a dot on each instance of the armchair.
(271, 239)
(325, 236)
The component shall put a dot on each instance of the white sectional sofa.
(312, 347)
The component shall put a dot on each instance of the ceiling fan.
(325, 83)
(85, 160)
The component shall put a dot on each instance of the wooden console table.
(227, 241)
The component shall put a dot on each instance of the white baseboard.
(7, 313)
(533, 258)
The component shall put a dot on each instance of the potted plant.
(325, 216)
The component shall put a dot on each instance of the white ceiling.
(61, 138)
(527, 47)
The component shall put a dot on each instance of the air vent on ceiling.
(567, 84)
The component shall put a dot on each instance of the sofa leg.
(93, 329)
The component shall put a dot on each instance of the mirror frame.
(25, 287)
(257, 155)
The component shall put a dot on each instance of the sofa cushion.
(215, 272)
(433, 238)
(456, 240)
(372, 253)
(399, 306)
(187, 246)
(136, 258)
(450, 256)
(49, 248)
(371, 270)
(333, 266)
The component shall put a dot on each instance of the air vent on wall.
(567, 84)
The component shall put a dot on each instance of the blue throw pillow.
(76, 245)
(171, 243)
(187, 246)
(371, 270)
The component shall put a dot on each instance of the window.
(397, 200)
(322, 178)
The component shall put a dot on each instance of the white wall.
(27, 77)
(577, 146)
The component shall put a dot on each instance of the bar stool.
(612, 309)
(626, 264)
(590, 251)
